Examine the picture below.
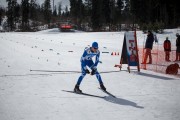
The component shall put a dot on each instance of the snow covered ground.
(28, 95)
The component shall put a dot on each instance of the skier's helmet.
(95, 45)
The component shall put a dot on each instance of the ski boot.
(102, 87)
(77, 90)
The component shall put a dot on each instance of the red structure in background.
(65, 27)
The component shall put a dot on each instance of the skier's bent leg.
(81, 78)
(98, 76)
(76, 89)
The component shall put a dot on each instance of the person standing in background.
(167, 49)
(148, 48)
(177, 47)
(155, 37)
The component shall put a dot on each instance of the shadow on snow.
(121, 101)
(155, 76)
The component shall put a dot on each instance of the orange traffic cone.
(112, 53)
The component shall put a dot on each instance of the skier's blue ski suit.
(86, 60)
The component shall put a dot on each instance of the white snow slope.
(28, 95)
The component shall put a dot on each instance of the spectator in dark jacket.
(177, 47)
(148, 48)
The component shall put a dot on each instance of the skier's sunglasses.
(96, 48)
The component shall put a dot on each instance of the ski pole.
(70, 71)
(54, 71)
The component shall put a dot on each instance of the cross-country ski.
(108, 93)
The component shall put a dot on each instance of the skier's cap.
(95, 45)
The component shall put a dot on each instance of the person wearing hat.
(167, 49)
(148, 47)
(177, 47)
(86, 61)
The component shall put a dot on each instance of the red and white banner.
(131, 49)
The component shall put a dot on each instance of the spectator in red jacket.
(167, 49)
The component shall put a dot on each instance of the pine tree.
(33, 10)
(96, 16)
(47, 11)
(87, 14)
(154, 11)
(119, 8)
(55, 11)
(80, 9)
(11, 13)
(2, 13)
(59, 9)
(128, 12)
(73, 8)
(66, 11)
(25, 14)
(17, 13)
(88, 7)
(106, 11)
(113, 11)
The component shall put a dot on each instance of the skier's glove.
(87, 71)
(93, 71)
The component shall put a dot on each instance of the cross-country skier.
(86, 60)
